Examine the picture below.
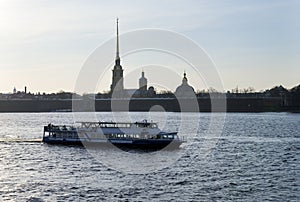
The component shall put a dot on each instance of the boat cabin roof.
(105, 124)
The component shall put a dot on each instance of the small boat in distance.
(137, 135)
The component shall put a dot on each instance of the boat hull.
(149, 144)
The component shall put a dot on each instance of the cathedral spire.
(117, 48)
(117, 77)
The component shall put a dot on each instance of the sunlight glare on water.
(256, 158)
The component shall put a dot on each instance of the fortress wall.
(171, 105)
(34, 105)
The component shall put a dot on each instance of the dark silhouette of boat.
(137, 135)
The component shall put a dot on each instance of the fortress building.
(117, 85)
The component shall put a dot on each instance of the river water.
(227, 157)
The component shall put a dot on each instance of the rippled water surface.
(227, 157)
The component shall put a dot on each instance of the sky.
(44, 44)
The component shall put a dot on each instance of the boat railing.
(59, 128)
(105, 124)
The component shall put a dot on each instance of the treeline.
(289, 95)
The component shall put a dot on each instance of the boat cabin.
(143, 124)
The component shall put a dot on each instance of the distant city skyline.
(43, 44)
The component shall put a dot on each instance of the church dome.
(185, 90)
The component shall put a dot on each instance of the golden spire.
(117, 53)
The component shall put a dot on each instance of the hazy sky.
(43, 44)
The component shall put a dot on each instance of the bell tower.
(143, 82)
(117, 73)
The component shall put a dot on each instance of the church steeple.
(117, 48)
(117, 77)
(143, 82)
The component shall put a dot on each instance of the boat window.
(170, 136)
(154, 125)
(107, 125)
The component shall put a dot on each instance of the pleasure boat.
(140, 135)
